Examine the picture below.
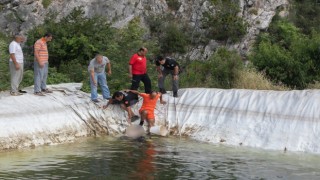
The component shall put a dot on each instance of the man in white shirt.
(16, 64)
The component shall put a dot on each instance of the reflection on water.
(158, 158)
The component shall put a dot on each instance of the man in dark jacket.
(167, 66)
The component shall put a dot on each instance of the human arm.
(14, 60)
(130, 71)
(176, 73)
(133, 91)
(161, 100)
(37, 54)
(92, 77)
(159, 71)
(109, 102)
(109, 68)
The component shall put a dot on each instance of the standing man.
(147, 109)
(16, 65)
(41, 65)
(167, 66)
(97, 73)
(138, 70)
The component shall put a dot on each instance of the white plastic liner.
(276, 120)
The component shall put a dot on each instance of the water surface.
(158, 158)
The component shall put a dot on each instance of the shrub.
(174, 4)
(46, 3)
(219, 71)
(224, 24)
(4, 63)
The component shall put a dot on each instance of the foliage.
(172, 35)
(46, 3)
(305, 14)
(174, 4)
(219, 71)
(74, 37)
(288, 56)
(225, 24)
(4, 63)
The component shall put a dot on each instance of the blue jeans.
(40, 77)
(101, 79)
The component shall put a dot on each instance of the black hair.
(47, 34)
(159, 58)
(142, 49)
(117, 94)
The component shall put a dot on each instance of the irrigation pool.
(155, 158)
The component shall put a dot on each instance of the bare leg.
(143, 115)
(150, 124)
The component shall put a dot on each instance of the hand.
(95, 83)
(130, 76)
(41, 64)
(109, 72)
(175, 77)
(17, 65)
(160, 76)
(163, 102)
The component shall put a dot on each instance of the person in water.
(149, 104)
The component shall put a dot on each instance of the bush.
(4, 63)
(46, 3)
(219, 71)
(288, 56)
(174, 4)
(225, 24)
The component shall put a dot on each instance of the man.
(125, 101)
(147, 109)
(16, 65)
(167, 66)
(97, 73)
(138, 70)
(41, 65)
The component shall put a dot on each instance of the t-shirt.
(15, 48)
(41, 47)
(148, 103)
(139, 64)
(169, 64)
(128, 100)
(96, 67)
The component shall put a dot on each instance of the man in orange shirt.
(149, 104)
(41, 65)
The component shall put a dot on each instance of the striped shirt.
(41, 47)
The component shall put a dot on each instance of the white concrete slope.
(275, 120)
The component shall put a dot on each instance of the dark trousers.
(136, 82)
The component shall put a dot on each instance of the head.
(153, 94)
(143, 51)
(161, 59)
(99, 58)
(118, 95)
(19, 38)
(47, 37)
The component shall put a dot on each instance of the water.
(158, 158)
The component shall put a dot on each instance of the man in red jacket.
(138, 70)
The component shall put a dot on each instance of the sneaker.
(39, 94)
(175, 94)
(95, 100)
(15, 94)
(46, 91)
(22, 91)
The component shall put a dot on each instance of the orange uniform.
(149, 104)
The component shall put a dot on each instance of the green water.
(158, 158)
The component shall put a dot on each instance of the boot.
(175, 94)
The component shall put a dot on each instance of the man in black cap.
(167, 66)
